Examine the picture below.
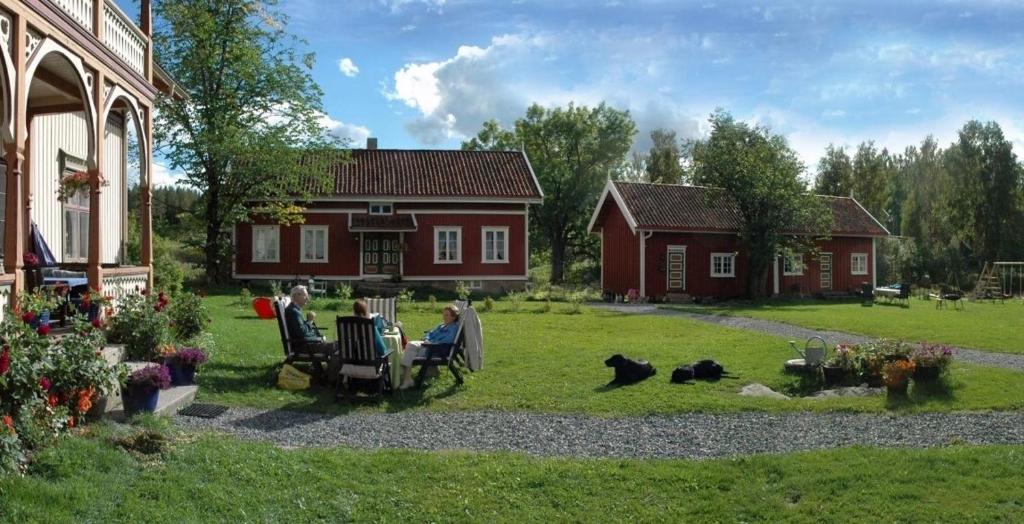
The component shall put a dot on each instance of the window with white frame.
(858, 263)
(723, 265)
(266, 243)
(793, 265)
(381, 208)
(447, 245)
(494, 242)
(76, 227)
(314, 244)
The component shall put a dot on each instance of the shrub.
(515, 299)
(141, 325)
(188, 315)
(433, 303)
(45, 383)
(575, 302)
(244, 298)
(488, 303)
(405, 298)
(343, 292)
(462, 290)
(274, 286)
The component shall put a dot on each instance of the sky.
(428, 73)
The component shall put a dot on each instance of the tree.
(987, 185)
(763, 175)
(872, 170)
(663, 160)
(250, 129)
(573, 151)
(835, 172)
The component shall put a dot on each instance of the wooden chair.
(387, 308)
(291, 353)
(442, 355)
(356, 347)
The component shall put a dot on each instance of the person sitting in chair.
(362, 310)
(444, 333)
(302, 331)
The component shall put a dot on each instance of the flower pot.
(834, 375)
(181, 375)
(927, 373)
(138, 400)
(899, 389)
(873, 379)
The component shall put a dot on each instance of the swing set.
(1000, 281)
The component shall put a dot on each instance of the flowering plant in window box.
(73, 183)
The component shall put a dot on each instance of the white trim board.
(609, 188)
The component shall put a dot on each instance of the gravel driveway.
(693, 436)
(791, 332)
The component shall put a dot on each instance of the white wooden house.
(75, 76)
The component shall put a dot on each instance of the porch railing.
(123, 281)
(119, 33)
(79, 10)
(122, 37)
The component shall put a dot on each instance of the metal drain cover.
(203, 410)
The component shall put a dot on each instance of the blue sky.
(427, 73)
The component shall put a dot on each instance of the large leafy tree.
(573, 151)
(987, 186)
(250, 127)
(763, 175)
(872, 171)
(662, 164)
(835, 172)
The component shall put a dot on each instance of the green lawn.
(554, 362)
(981, 325)
(212, 478)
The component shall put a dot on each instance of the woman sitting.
(362, 310)
(444, 333)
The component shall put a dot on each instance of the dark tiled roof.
(368, 222)
(696, 208)
(433, 173)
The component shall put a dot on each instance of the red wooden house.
(674, 241)
(428, 217)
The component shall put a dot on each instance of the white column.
(644, 235)
(874, 264)
(775, 275)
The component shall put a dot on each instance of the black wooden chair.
(904, 295)
(356, 347)
(294, 352)
(448, 355)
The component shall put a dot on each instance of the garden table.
(888, 292)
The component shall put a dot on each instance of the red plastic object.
(264, 308)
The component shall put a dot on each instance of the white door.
(675, 268)
(825, 259)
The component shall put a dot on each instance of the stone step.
(170, 401)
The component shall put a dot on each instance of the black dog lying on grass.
(700, 370)
(629, 371)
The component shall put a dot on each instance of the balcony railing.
(119, 33)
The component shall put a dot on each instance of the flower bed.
(891, 363)
(47, 384)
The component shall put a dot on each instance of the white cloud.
(348, 67)
(355, 135)
(164, 177)
(397, 5)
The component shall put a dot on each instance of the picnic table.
(393, 340)
(887, 292)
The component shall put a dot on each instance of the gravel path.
(692, 436)
(791, 332)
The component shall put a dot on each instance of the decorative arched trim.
(8, 79)
(133, 105)
(50, 46)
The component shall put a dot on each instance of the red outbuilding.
(675, 241)
(425, 217)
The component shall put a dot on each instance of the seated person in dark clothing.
(301, 330)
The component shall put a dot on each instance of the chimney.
(371, 143)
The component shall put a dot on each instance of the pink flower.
(97, 323)
(44, 383)
(43, 330)
(28, 317)
(5, 361)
